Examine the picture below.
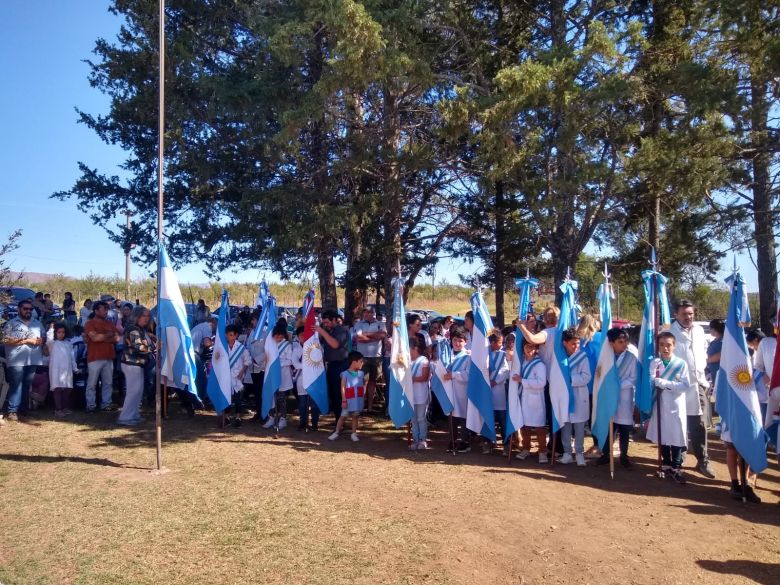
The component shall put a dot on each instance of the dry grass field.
(81, 505)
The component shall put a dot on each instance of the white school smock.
(498, 370)
(533, 380)
(691, 346)
(674, 422)
(579, 371)
(421, 391)
(285, 362)
(62, 362)
(626, 364)
(765, 357)
(459, 368)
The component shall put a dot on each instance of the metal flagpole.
(160, 152)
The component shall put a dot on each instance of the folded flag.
(400, 401)
(442, 388)
(313, 372)
(561, 390)
(176, 351)
(479, 410)
(606, 383)
(273, 367)
(219, 387)
(736, 398)
(654, 285)
(514, 411)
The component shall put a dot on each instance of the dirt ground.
(80, 504)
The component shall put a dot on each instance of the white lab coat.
(497, 379)
(691, 346)
(674, 421)
(580, 377)
(532, 383)
(626, 364)
(460, 382)
(62, 362)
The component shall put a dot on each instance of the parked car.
(10, 296)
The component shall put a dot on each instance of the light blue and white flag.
(442, 388)
(736, 398)
(561, 390)
(273, 367)
(313, 372)
(176, 351)
(606, 382)
(400, 401)
(514, 411)
(479, 410)
(219, 387)
(652, 281)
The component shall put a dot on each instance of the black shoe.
(603, 460)
(236, 422)
(464, 448)
(751, 496)
(706, 470)
(625, 462)
(301, 429)
(314, 429)
(677, 475)
(735, 492)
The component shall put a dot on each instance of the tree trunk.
(392, 191)
(766, 261)
(500, 264)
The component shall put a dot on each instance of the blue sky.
(42, 47)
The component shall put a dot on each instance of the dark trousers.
(333, 376)
(697, 438)
(623, 433)
(257, 382)
(671, 456)
(304, 402)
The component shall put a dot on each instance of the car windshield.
(22, 294)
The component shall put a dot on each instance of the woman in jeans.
(135, 356)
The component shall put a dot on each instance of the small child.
(579, 372)
(283, 346)
(533, 378)
(670, 378)
(421, 394)
(458, 372)
(498, 370)
(62, 365)
(241, 361)
(623, 421)
(352, 394)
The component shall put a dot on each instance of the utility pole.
(128, 246)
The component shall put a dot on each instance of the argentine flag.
(313, 372)
(561, 391)
(273, 367)
(176, 351)
(514, 411)
(606, 383)
(644, 386)
(219, 387)
(400, 402)
(479, 411)
(442, 388)
(737, 399)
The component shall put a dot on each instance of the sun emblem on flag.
(401, 360)
(217, 356)
(741, 378)
(313, 355)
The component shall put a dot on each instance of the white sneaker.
(354, 437)
(523, 455)
(422, 446)
(580, 460)
(543, 458)
(269, 423)
(566, 459)
(333, 436)
(282, 423)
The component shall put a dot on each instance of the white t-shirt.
(421, 391)
(369, 349)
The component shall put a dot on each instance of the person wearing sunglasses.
(23, 339)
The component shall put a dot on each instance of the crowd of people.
(107, 350)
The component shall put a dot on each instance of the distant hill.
(31, 277)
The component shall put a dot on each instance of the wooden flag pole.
(452, 434)
(611, 450)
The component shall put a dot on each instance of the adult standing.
(100, 336)
(369, 334)
(85, 312)
(135, 356)
(334, 339)
(201, 313)
(22, 338)
(691, 347)
(69, 309)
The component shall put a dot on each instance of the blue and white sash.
(530, 366)
(495, 363)
(673, 369)
(458, 362)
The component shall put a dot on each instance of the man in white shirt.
(691, 346)
(369, 333)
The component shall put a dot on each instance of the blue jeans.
(304, 402)
(19, 381)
